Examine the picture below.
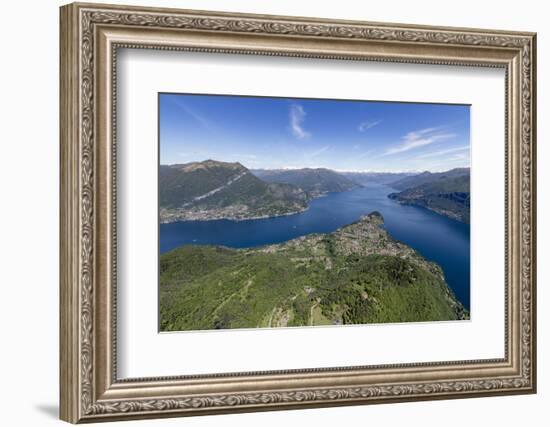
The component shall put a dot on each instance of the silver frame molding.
(90, 37)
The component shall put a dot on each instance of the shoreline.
(189, 218)
(235, 224)
(232, 218)
(442, 212)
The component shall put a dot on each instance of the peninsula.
(357, 274)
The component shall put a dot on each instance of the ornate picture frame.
(90, 37)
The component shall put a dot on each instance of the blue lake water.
(437, 238)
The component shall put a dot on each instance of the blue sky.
(294, 133)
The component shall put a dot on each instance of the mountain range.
(433, 178)
(314, 181)
(447, 193)
(214, 190)
(385, 178)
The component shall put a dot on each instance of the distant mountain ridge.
(315, 181)
(429, 178)
(385, 178)
(447, 193)
(213, 190)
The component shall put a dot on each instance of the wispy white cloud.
(195, 153)
(443, 152)
(367, 153)
(318, 152)
(368, 124)
(419, 138)
(199, 118)
(459, 157)
(297, 117)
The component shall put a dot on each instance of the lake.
(437, 238)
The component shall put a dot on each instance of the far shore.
(168, 216)
(211, 216)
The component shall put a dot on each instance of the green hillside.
(447, 193)
(357, 274)
(213, 190)
(314, 181)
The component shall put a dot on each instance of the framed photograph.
(265, 212)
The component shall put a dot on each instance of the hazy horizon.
(314, 167)
(291, 133)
